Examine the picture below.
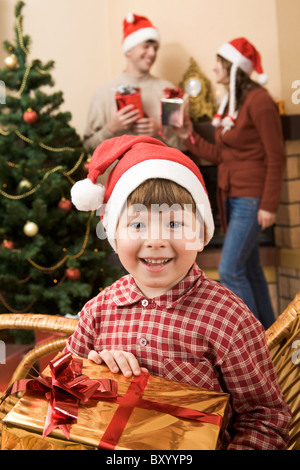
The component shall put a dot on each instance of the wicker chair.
(33, 321)
(283, 338)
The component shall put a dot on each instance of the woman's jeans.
(240, 268)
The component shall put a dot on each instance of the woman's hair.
(243, 82)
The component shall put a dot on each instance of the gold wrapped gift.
(148, 422)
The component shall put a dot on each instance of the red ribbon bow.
(173, 93)
(64, 389)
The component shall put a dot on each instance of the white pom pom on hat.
(263, 78)
(242, 54)
(87, 196)
(130, 17)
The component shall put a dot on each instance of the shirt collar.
(132, 79)
(128, 293)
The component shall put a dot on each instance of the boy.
(166, 315)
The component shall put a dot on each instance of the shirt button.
(145, 302)
(143, 341)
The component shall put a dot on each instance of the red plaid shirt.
(198, 332)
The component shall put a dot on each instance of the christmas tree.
(51, 260)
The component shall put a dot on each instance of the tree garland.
(48, 270)
(49, 172)
(65, 258)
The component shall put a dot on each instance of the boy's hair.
(161, 191)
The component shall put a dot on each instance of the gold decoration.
(11, 61)
(65, 258)
(198, 87)
(23, 84)
(19, 29)
(24, 185)
(31, 229)
(13, 310)
(33, 190)
(281, 106)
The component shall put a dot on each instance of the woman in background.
(250, 155)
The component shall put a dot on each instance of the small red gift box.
(126, 95)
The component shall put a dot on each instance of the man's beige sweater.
(103, 104)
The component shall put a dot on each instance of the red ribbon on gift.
(170, 93)
(132, 399)
(64, 389)
(67, 386)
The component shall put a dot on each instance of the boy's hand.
(117, 361)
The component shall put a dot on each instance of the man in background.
(140, 45)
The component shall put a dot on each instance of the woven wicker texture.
(283, 339)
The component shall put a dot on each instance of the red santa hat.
(243, 55)
(137, 158)
(137, 29)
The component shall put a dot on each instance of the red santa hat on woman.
(137, 158)
(137, 29)
(243, 55)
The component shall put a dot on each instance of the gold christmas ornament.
(24, 185)
(11, 61)
(30, 229)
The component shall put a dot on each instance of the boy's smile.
(156, 265)
(158, 248)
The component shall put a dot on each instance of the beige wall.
(288, 18)
(84, 39)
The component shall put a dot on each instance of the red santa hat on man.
(137, 29)
(137, 158)
(243, 55)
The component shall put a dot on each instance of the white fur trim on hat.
(87, 196)
(156, 168)
(230, 53)
(141, 35)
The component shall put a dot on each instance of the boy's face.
(158, 247)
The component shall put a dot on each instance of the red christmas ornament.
(30, 116)
(65, 205)
(73, 274)
(8, 244)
